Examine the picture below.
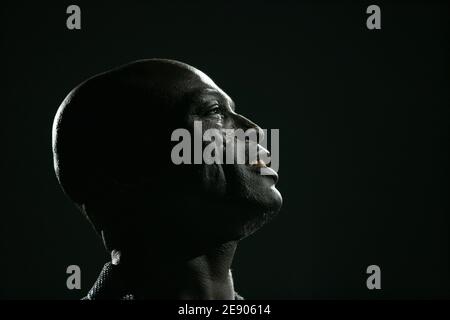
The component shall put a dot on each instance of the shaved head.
(112, 146)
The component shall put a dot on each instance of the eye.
(214, 110)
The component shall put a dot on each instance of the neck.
(206, 276)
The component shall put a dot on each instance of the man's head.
(112, 155)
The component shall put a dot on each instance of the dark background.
(364, 128)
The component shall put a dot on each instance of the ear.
(105, 240)
(93, 219)
(106, 209)
(99, 202)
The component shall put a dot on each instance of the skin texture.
(178, 224)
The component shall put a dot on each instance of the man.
(172, 229)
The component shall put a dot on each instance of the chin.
(259, 211)
(264, 198)
(275, 200)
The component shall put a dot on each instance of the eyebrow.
(215, 92)
(209, 90)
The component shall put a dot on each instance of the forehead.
(203, 78)
(203, 88)
(171, 83)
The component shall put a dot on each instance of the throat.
(205, 277)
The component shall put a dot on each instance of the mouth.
(260, 167)
(258, 164)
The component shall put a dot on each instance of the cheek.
(213, 179)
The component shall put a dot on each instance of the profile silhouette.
(172, 230)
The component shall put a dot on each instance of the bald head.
(114, 128)
(112, 147)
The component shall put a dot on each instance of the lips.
(258, 164)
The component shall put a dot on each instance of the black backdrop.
(364, 128)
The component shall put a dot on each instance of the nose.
(241, 122)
